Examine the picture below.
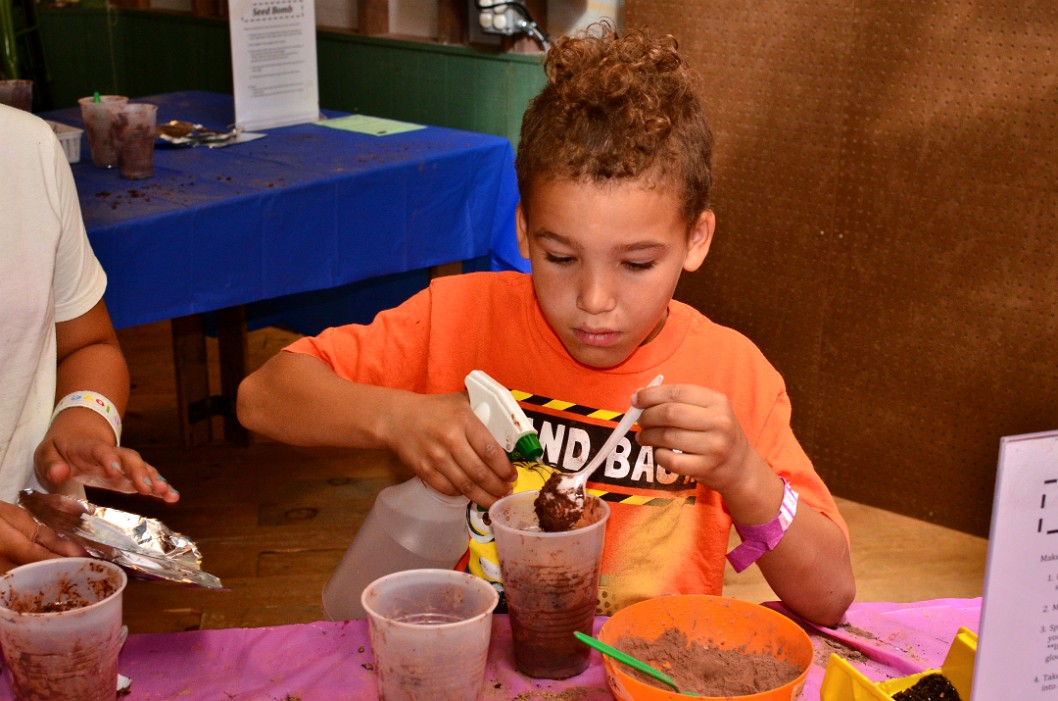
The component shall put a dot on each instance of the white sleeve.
(79, 278)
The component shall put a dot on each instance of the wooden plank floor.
(272, 521)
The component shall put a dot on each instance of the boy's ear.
(700, 239)
(522, 227)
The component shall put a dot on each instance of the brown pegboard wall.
(887, 206)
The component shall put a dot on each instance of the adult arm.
(80, 444)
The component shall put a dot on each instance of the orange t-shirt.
(666, 533)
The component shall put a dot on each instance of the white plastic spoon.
(573, 483)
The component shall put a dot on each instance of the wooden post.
(205, 8)
(195, 405)
(452, 22)
(192, 379)
(373, 17)
(231, 342)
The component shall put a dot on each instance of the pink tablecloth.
(309, 662)
(886, 640)
(332, 661)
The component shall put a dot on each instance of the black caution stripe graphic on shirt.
(570, 436)
(559, 405)
(639, 500)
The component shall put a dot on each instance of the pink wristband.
(757, 540)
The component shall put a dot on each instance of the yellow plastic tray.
(843, 682)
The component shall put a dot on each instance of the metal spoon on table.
(630, 661)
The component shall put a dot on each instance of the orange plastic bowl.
(714, 621)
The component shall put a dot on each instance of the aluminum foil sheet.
(144, 545)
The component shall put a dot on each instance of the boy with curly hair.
(614, 172)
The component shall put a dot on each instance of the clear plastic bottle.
(410, 526)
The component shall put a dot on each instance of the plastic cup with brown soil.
(17, 94)
(98, 114)
(430, 631)
(551, 581)
(134, 133)
(60, 629)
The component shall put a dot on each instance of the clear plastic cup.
(60, 629)
(98, 118)
(134, 130)
(430, 631)
(551, 581)
(17, 93)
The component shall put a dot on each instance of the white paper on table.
(1017, 649)
(241, 138)
(273, 57)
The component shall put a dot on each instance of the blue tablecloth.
(306, 208)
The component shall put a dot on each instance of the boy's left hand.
(694, 432)
(74, 448)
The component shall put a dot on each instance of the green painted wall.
(133, 53)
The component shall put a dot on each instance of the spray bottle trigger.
(493, 404)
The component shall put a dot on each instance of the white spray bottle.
(412, 526)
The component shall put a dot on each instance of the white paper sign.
(273, 57)
(1017, 650)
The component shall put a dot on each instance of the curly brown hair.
(618, 107)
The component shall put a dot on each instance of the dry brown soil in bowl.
(707, 670)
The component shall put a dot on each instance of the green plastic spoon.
(630, 661)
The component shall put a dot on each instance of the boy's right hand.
(447, 446)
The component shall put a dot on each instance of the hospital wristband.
(757, 540)
(97, 403)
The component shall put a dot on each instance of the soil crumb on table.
(858, 632)
(932, 687)
(574, 694)
(707, 670)
(826, 647)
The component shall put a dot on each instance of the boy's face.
(606, 260)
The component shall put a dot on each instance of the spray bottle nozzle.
(508, 424)
(527, 449)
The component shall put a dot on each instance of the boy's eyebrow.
(551, 235)
(637, 246)
(634, 247)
